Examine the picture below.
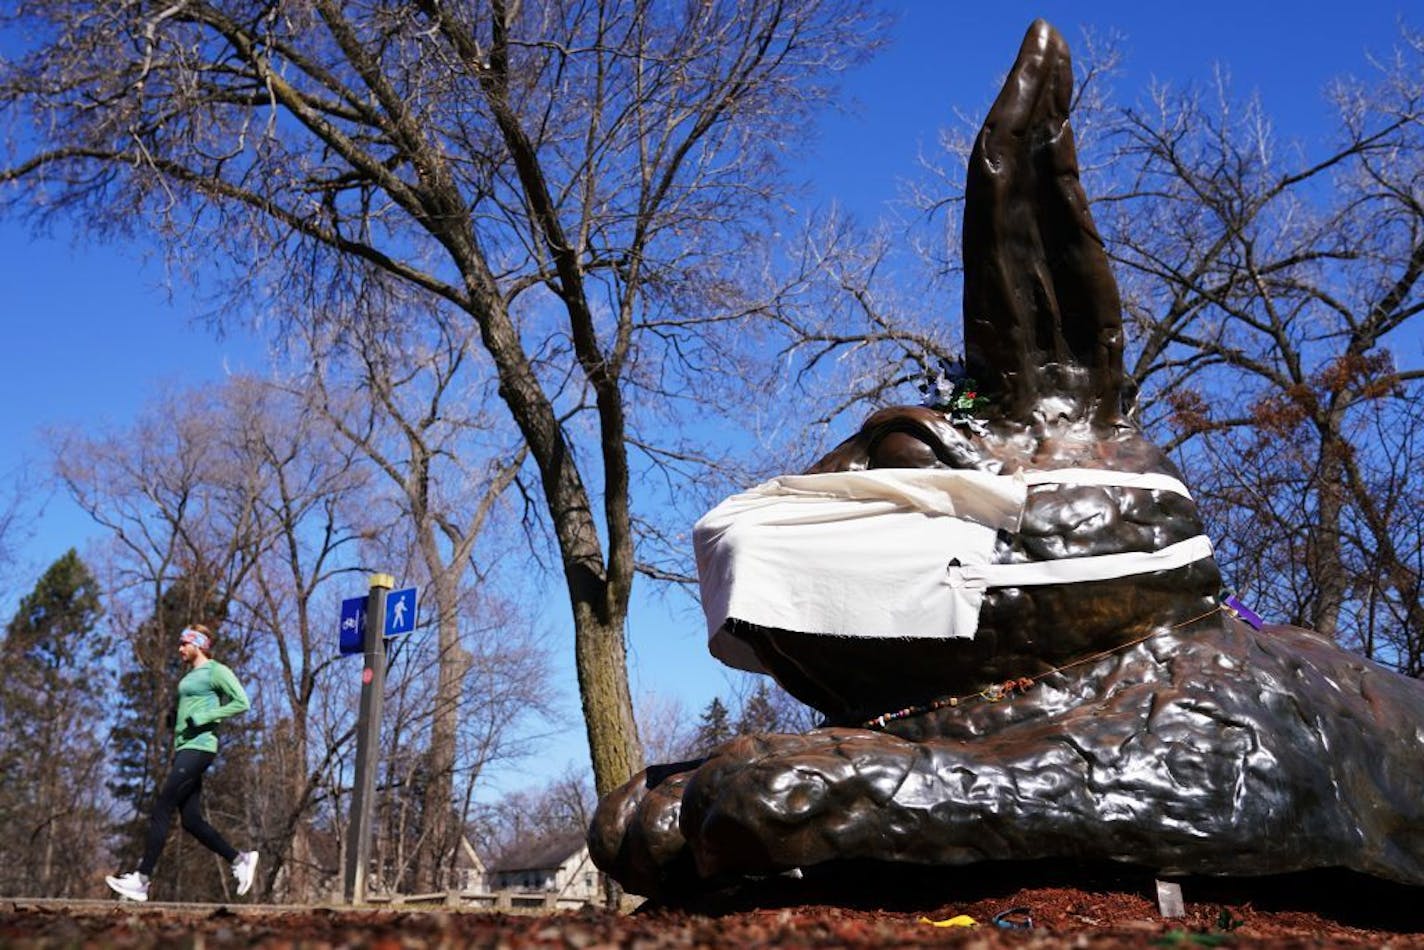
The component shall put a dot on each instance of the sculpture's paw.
(634, 834)
(1226, 751)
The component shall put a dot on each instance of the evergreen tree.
(713, 728)
(759, 712)
(52, 701)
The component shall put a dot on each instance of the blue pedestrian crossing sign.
(400, 611)
(353, 625)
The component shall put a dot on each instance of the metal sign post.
(368, 734)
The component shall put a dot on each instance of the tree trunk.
(453, 665)
(1325, 546)
(598, 590)
(601, 653)
(299, 852)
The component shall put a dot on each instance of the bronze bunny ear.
(1042, 316)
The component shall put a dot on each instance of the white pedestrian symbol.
(399, 613)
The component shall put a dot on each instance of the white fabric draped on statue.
(887, 552)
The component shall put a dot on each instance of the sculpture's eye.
(903, 450)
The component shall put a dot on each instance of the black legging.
(183, 790)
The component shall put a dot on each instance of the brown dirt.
(1321, 910)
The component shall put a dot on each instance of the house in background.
(558, 865)
(469, 872)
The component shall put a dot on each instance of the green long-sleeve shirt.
(207, 695)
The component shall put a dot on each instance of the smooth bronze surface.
(1160, 731)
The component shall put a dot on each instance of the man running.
(207, 694)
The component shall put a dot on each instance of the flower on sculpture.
(948, 388)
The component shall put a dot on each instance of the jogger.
(207, 694)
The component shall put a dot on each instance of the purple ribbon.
(1250, 616)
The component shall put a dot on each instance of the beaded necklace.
(998, 692)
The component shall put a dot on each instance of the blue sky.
(90, 334)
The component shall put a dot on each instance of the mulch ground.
(879, 910)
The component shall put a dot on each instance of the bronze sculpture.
(1123, 717)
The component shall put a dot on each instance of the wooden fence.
(504, 902)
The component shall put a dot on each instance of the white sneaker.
(245, 870)
(132, 886)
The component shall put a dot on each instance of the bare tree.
(244, 475)
(227, 504)
(172, 501)
(563, 806)
(1274, 287)
(12, 509)
(411, 404)
(310, 518)
(578, 179)
(664, 724)
(179, 513)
